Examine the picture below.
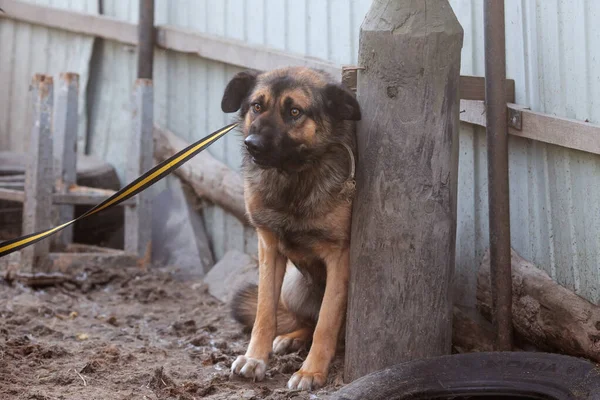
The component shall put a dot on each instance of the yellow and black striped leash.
(143, 182)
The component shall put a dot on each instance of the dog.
(299, 152)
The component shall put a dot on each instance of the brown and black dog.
(298, 166)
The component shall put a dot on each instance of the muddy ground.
(124, 333)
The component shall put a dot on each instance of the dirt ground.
(123, 333)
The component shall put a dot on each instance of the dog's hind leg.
(315, 368)
(292, 341)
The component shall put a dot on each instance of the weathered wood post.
(138, 218)
(39, 175)
(65, 151)
(404, 216)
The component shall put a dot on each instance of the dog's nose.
(255, 144)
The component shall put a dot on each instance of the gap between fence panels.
(49, 191)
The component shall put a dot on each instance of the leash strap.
(140, 184)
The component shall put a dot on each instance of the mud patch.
(128, 334)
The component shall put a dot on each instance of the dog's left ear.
(237, 90)
(341, 103)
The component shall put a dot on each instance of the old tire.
(506, 375)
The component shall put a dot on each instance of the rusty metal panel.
(555, 220)
(26, 50)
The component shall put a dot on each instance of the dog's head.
(289, 116)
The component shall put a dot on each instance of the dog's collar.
(352, 162)
(350, 184)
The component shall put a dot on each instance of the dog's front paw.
(249, 367)
(305, 380)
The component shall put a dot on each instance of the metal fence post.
(65, 151)
(138, 219)
(146, 39)
(39, 175)
(498, 186)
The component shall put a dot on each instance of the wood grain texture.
(39, 175)
(473, 88)
(65, 151)
(138, 219)
(564, 132)
(545, 313)
(404, 216)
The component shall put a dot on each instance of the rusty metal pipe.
(146, 39)
(497, 147)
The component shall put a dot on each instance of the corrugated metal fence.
(551, 54)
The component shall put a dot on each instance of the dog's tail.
(243, 310)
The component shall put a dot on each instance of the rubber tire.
(500, 374)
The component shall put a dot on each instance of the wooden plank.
(39, 175)
(138, 219)
(65, 152)
(12, 195)
(473, 88)
(84, 199)
(13, 185)
(13, 178)
(235, 52)
(563, 132)
(85, 196)
(70, 21)
(208, 177)
(402, 251)
(73, 263)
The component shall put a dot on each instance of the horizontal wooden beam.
(545, 128)
(17, 196)
(75, 198)
(473, 88)
(70, 21)
(85, 199)
(235, 52)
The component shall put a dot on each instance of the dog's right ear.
(237, 90)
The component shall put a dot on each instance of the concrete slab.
(233, 271)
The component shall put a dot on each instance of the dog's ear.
(341, 103)
(237, 90)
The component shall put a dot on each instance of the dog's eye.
(257, 107)
(294, 112)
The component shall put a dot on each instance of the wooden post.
(39, 175)
(65, 152)
(138, 218)
(404, 212)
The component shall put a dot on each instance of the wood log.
(545, 313)
(209, 178)
(404, 212)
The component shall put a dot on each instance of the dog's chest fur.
(304, 210)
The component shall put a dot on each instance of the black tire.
(498, 375)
